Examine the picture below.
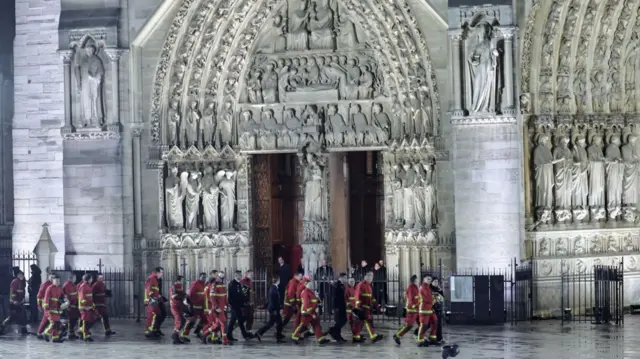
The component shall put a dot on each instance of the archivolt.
(206, 51)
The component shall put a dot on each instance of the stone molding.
(584, 242)
(204, 240)
(90, 135)
(483, 120)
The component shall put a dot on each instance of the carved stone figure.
(600, 92)
(271, 127)
(347, 36)
(398, 195)
(544, 179)
(254, 87)
(228, 201)
(274, 40)
(174, 197)
(336, 127)
(352, 85)
(270, 85)
(226, 123)
(408, 184)
(382, 124)
(630, 181)
(563, 159)
(483, 67)
(89, 76)
(596, 178)
(321, 26)
(192, 190)
(580, 179)
(430, 212)
(290, 135)
(614, 174)
(298, 36)
(189, 125)
(314, 209)
(207, 125)
(365, 89)
(250, 128)
(210, 199)
(361, 126)
(173, 122)
(425, 113)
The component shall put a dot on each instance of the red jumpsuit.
(217, 314)
(350, 299)
(309, 316)
(100, 300)
(88, 314)
(16, 295)
(40, 296)
(177, 297)
(411, 298)
(290, 303)
(365, 301)
(248, 311)
(302, 285)
(51, 305)
(73, 314)
(427, 316)
(152, 300)
(198, 297)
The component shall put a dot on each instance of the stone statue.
(630, 181)
(614, 174)
(174, 196)
(189, 125)
(270, 85)
(483, 68)
(226, 124)
(173, 122)
(210, 199)
(430, 202)
(359, 123)
(89, 76)
(398, 195)
(254, 87)
(365, 88)
(563, 159)
(250, 127)
(352, 85)
(207, 126)
(425, 113)
(192, 190)
(321, 26)
(596, 178)
(228, 201)
(382, 123)
(347, 36)
(419, 196)
(274, 40)
(544, 179)
(408, 185)
(314, 209)
(580, 179)
(298, 36)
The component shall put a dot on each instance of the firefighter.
(350, 298)
(290, 303)
(302, 285)
(309, 315)
(100, 295)
(153, 300)
(411, 299)
(41, 291)
(51, 304)
(16, 309)
(248, 310)
(427, 316)
(197, 299)
(73, 314)
(365, 303)
(88, 313)
(178, 296)
(208, 288)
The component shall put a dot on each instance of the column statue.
(419, 196)
(563, 179)
(408, 186)
(192, 189)
(398, 195)
(89, 76)
(580, 179)
(596, 178)
(614, 175)
(173, 121)
(228, 201)
(314, 208)
(630, 180)
(174, 196)
(210, 199)
(207, 126)
(430, 200)
(483, 68)
(544, 179)
(190, 124)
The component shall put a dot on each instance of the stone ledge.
(90, 135)
(204, 240)
(480, 119)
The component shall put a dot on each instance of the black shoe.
(280, 340)
(46, 338)
(109, 333)
(424, 344)
(297, 341)
(322, 341)
(88, 339)
(397, 339)
(378, 338)
(357, 341)
(160, 333)
(416, 332)
(57, 340)
(40, 336)
(204, 339)
(232, 339)
(151, 335)
(308, 334)
(258, 336)
(23, 331)
(73, 337)
(185, 339)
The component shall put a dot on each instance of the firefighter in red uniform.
(51, 304)
(302, 285)
(153, 301)
(198, 299)
(41, 291)
(350, 299)
(248, 310)
(16, 310)
(365, 302)
(220, 303)
(178, 296)
(290, 302)
(427, 316)
(411, 299)
(73, 314)
(88, 313)
(309, 316)
(100, 295)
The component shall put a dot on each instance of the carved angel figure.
(483, 67)
(228, 200)
(210, 199)
(174, 197)
(89, 76)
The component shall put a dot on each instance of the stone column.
(405, 266)
(113, 124)
(339, 190)
(136, 132)
(508, 101)
(456, 71)
(67, 57)
(415, 261)
(316, 226)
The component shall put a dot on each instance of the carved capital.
(115, 54)
(456, 35)
(507, 33)
(137, 129)
(66, 56)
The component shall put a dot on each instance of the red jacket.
(16, 291)
(246, 282)
(99, 294)
(51, 301)
(71, 292)
(41, 291)
(350, 297)
(290, 294)
(197, 295)
(309, 302)
(85, 296)
(364, 296)
(302, 285)
(177, 295)
(219, 299)
(412, 298)
(151, 289)
(426, 299)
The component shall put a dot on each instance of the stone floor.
(544, 340)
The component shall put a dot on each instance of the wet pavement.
(544, 340)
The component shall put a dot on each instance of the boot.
(24, 331)
(109, 332)
(323, 340)
(185, 339)
(88, 339)
(396, 339)
(377, 338)
(176, 338)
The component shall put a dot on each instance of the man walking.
(427, 316)
(198, 300)
(237, 301)
(411, 299)
(88, 314)
(153, 301)
(247, 287)
(100, 295)
(178, 295)
(41, 292)
(309, 316)
(16, 302)
(365, 303)
(52, 309)
(273, 307)
(73, 313)
(339, 308)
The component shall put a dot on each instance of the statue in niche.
(425, 113)
(630, 181)
(430, 203)
(271, 127)
(563, 163)
(173, 122)
(89, 77)
(408, 185)
(614, 176)
(298, 36)
(347, 36)
(210, 199)
(189, 126)
(413, 122)
(174, 197)
(544, 178)
(228, 201)
(226, 124)
(269, 85)
(314, 209)
(250, 127)
(335, 127)
(596, 178)
(400, 119)
(321, 26)
(418, 196)
(483, 68)
(580, 178)
(382, 124)
(207, 126)
(365, 89)
(398, 195)
(274, 40)
(192, 190)
(600, 91)
(254, 87)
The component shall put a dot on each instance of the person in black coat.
(35, 280)
(339, 304)
(237, 300)
(361, 272)
(324, 279)
(284, 272)
(273, 307)
(438, 308)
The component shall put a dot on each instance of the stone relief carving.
(89, 71)
(584, 243)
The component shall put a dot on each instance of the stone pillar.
(508, 101)
(456, 71)
(113, 123)
(136, 133)
(405, 266)
(244, 258)
(339, 190)
(415, 261)
(67, 57)
(316, 225)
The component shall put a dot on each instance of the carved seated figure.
(337, 132)
(382, 124)
(267, 140)
(268, 134)
(361, 125)
(247, 140)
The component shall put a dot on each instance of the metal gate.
(608, 292)
(521, 293)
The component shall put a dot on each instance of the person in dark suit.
(284, 272)
(237, 300)
(339, 304)
(273, 307)
(362, 271)
(35, 280)
(324, 280)
(438, 307)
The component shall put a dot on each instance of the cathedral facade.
(227, 133)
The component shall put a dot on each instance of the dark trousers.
(34, 316)
(274, 319)
(340, 317)
(162, 316)
(439, 325)
(16, 316)
(236, 317)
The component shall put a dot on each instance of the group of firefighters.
(204, 306)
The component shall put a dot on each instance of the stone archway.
(204, 111)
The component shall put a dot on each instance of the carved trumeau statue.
(174, 196)
(192, 202)
(298, 35)
(614, 174)
(321, 26)
(207, 126)
(314, 207)
(90, 76)
(483, 68)
(210, 199)
(563, 159)
(228, 201)
(174, 121)
(596, 177)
